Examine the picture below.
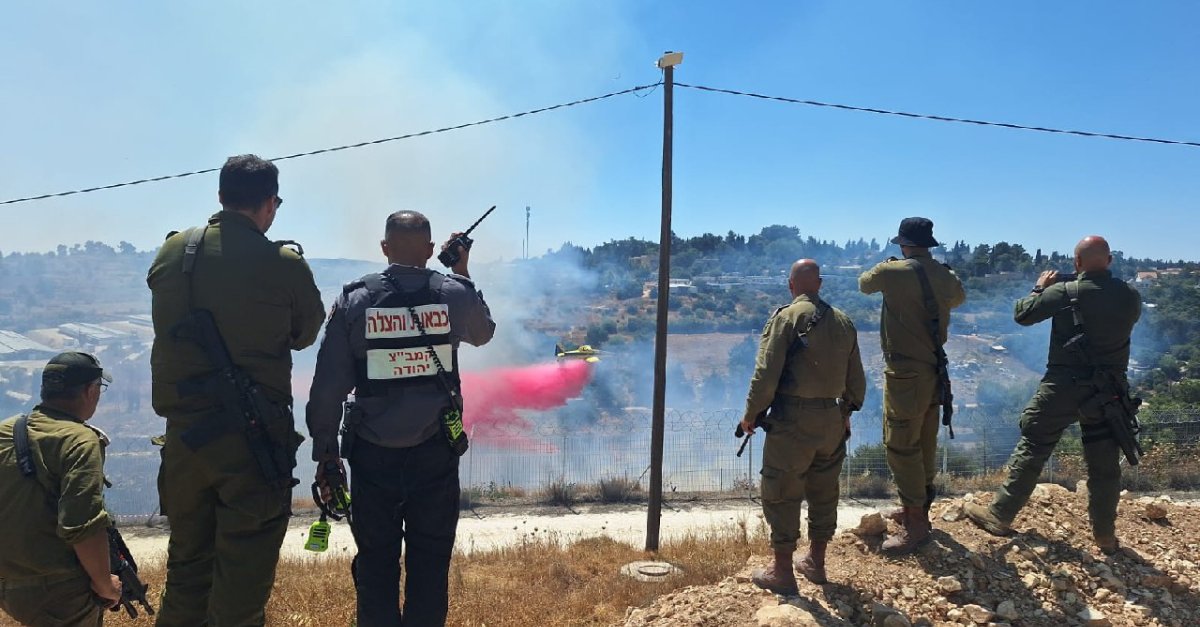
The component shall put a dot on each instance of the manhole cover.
(649, 571)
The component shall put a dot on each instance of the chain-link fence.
(699, 458)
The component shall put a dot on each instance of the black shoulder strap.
(931, 307)
(801, 340)
(191, 250)
(1078, 341)
(21, 441)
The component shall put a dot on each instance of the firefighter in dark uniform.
(54, 566)
(911, 384)
(228, 518)
(380, 342)
(1109, 308)
(809, 373)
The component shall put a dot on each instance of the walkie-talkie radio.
(451, 255)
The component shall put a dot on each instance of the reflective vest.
(398, 350)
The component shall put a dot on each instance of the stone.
(976, 560)
(1093, 617)
(785, 616)
(1007, 610)
(978, 614)
(1156, 510)
(908, 593)
(953, 513)
(1081, 489)
(896, 620)
(1103, 594)
(870, 525)
(949, 585)
(1050, 493)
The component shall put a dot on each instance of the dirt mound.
(1048, 572)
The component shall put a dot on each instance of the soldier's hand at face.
(108, 591)
(1047, 278)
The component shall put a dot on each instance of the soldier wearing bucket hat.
(54, 569)
(917, 293)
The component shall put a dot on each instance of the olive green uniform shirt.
(903, 321)
(1110, 308)
(63, 504)
(829, 368)
(263, 298)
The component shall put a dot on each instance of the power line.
(940, 118)
(373, 142)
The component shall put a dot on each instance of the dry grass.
(535, 582)
(559, 492)
(618, 490)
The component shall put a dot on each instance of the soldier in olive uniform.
(808, 372)
(54, 567)
(1109, 308)
(911, 384)
(227, 521)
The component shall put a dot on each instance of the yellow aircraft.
(584, 352)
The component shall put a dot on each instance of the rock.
(953, 513)
(976, 560)
(955, 615)
(1034, 580)
(1050, 493)
(1103, 594)
(870, 525)
(949, 585)
(978, 614)
(1081, 490)
(1007, 610)
(1093, 617)
(785, 616)
(896, 620)
(1156, 510)
(908, 593)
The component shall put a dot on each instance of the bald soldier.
(808, 372)
(1108, 308)
(911, 389)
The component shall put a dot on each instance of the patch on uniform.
(402, 363)
(385, 323)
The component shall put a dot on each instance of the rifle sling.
(21, 443)
(935, 323)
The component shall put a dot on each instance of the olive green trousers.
(910, 428)
(802, 461)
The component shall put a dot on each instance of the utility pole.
(658, 421)
(526, 251)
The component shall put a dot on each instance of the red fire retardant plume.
(492, 397)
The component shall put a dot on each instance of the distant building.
(86, 333)
(16, 347)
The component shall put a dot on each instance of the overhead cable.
(373, 142)
(940, 118)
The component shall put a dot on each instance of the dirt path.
(488, 528)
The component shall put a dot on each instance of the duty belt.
(805, 402)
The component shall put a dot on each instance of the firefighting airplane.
(584, 352)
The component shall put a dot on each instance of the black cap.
(916, 232)
(72, 368)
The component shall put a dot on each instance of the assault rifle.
(242, 401)
(122, 565)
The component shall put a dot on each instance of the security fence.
(700, 461)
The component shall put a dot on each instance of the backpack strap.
(21, 442)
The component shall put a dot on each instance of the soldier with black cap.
(54, 569)
(918, 294)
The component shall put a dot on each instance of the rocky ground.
(1048, 572)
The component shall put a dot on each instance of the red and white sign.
(402, 363)
(385, 323)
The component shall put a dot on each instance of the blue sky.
(96, 93)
